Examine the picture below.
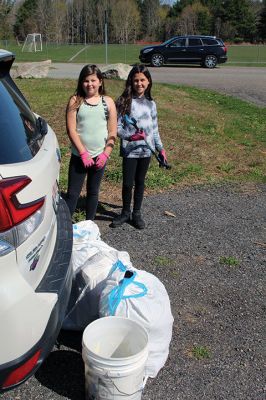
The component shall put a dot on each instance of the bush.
(238, 40)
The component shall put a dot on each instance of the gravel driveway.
(245, 83)
(216, 306)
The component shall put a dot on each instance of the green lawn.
(247, 54)
(209, 137)
(128, 53)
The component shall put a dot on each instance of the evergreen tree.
(5, 10)
(150, 17)
(262, 23)
(203, 18)
(25, 20)
(240, 14)
(178, 7)
(83, 20)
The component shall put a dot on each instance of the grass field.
(128, 54)
(209, 138)
(247, 54)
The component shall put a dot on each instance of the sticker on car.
(33, 256)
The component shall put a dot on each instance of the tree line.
(128, 21)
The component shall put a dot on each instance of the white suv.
(35, 236)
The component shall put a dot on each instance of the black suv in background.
(208, 51)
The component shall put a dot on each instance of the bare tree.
(125, 20)
(187, 22)
(102, 10)
(57, 21)
(92, 22)
(194, 19)
(89, 24)
(43, 16)
(150, 17)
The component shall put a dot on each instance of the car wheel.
(157, 60)
(210, 61)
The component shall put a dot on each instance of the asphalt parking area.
(217, 307)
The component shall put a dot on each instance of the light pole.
(105, 35)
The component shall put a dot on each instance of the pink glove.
(162, 155)
(101, 160)
(86, 159)
(139, 135)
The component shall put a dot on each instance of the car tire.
(157, 60)
(210, 61)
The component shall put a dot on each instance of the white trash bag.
(92, 261)
(142, 297)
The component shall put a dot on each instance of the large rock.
(119, 71)
(31, 69)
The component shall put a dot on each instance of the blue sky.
(168, 1)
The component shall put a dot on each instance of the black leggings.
(76, 176)
(134, 173)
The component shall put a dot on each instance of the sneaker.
(121, 219)
(137, 221)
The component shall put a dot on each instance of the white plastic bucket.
(114, 350)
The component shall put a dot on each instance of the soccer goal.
(33, 42)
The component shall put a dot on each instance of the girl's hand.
(101, 160)
(162, 155)
(139, 135)
(87, 159)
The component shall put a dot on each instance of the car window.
(20, 136)
(194, 42)
(209, 41)
(166, 42)
(178, 43)
(219, 42)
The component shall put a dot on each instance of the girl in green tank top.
(91, 123)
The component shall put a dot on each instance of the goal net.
(33, 42)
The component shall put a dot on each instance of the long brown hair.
(123, 103)
(89, 69)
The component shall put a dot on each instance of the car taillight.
(17, 221)
(19, 374)
(224, 49)
(12, 212)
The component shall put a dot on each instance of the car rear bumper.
(57, 281)
(222, 59)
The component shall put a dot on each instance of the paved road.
(245, 83)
